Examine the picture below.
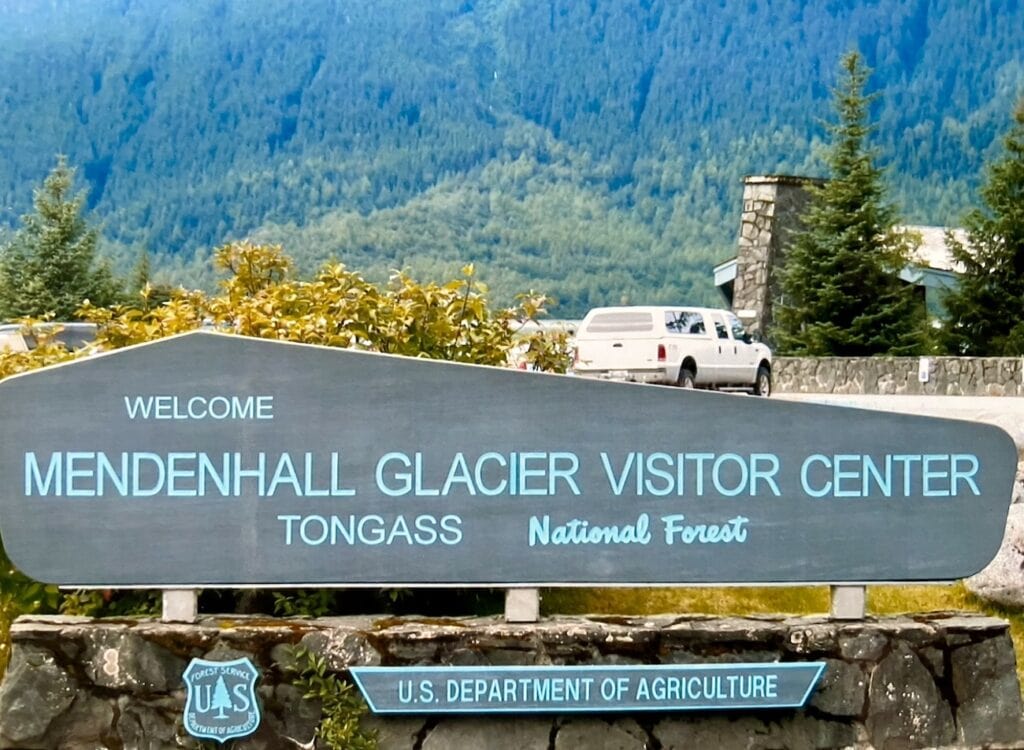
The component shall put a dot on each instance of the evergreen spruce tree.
(986, 312)
(840, 293)
(143, 294)
(50, 266)
(141, 273)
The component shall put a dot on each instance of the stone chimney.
(772, 205)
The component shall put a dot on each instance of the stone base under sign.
(902, 682)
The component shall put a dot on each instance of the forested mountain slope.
(590, 148)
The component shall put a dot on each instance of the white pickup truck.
(685, 346)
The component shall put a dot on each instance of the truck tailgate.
(617, 353)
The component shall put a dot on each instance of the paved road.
(1004, 411)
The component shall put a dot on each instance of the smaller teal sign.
(656, 687)
(221, 703)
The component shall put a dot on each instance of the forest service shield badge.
(221, 703)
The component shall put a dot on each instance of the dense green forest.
(593, 149)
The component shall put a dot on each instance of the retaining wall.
(947, 376)
(935, 680)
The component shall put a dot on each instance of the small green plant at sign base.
(341, 705)
(107, 603)
(304, 603)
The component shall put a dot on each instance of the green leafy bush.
(341, 705)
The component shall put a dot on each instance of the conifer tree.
(840, 291)
(986, 311)
(143, 293)
(141, 273)
(50, 266)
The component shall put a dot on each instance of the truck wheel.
(685, 379)
(763, 384)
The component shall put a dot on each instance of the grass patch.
(739, 600)
(6, 618)
(785, 600)
(759, 600)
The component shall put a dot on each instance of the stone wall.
(936, 680)
(947, 376)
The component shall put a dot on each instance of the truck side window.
(684, 321)
(738, 331)
(692, 322)
(720, 329)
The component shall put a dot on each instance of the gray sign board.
(604, 689)
(209, 459)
